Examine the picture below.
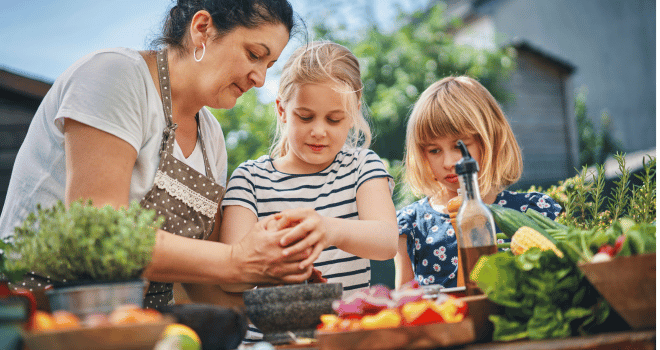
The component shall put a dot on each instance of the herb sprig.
(587, 205)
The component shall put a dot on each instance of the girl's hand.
(261, 258)
(307, 231)
(271, 224)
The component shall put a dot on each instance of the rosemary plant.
(642, 205)
(617, 200)
(586, 205)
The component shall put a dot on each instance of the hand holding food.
(308, 230)
(261, 258)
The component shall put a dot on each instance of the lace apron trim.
(183, 193)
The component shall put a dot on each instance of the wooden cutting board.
(409, 337)
(133, 336)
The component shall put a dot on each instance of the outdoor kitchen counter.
(629, 340)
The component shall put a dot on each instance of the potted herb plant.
(95, 255)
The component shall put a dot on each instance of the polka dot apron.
(187, 199)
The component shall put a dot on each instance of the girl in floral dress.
(452, 109)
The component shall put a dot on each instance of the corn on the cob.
(527, 237)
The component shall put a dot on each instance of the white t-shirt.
(111, 90)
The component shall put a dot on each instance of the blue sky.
(41, 38)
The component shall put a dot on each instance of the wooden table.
(617, 340)
(629, 340)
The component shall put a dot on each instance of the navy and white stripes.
(258, 186)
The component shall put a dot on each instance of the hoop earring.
(203, 52)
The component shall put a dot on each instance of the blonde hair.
(323, 62)
(456, 106)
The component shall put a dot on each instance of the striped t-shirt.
(332, 192)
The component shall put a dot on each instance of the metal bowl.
(99, 297)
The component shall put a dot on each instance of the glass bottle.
(476, 228)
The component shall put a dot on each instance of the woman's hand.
(261, 259)
(307, 230)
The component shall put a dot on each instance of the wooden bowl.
(405, 337)
(479, 308)
(628, 285)
(126, 336)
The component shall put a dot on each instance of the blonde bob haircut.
(324, 62)
(455, 107)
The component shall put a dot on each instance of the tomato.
(461, 307)
(42, 321)
(607, 249)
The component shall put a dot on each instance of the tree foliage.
(249, 128)
(396, 68)
(595, 146)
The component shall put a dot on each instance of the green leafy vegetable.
(580, 245)
(84, 242)
(506, 330)
(544, 296)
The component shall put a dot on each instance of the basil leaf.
(547, 322)
(507, 330)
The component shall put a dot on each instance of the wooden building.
(605, 46)
(19, 99)
(541, 116)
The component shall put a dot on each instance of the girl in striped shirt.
(320, 181)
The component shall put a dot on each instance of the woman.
(122, 125)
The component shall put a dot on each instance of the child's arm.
(373, 236)
(403, 272)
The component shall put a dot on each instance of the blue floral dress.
(432, 246)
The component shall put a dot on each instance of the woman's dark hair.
(226, 15)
